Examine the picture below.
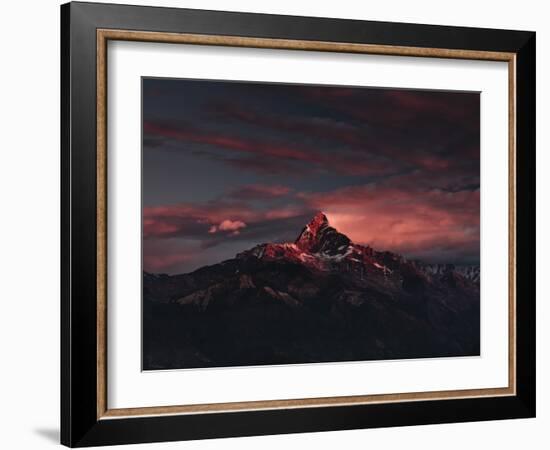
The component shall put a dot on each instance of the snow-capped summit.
(319, 237)
(319, 298)
(320, 246)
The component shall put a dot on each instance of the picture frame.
(86, 418)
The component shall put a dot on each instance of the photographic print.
(297, 224)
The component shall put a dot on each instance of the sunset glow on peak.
(231, 165)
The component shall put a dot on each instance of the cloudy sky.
(228, 165)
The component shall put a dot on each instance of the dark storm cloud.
(419, 129)
(230, 165)
(260, 192)
(211, 223)
(289, 153)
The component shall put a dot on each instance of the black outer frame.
(79, 423)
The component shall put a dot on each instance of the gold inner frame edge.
(103, 36)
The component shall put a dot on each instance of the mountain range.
(321, 298)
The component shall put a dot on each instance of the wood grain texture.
(237, 41)
(512, 199)
(103, 35)
(101, 223)
(307, 402)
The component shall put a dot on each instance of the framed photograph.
(277, 224)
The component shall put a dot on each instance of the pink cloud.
(260, 191)
(231, 225)
(196, 221)
(160, 261)
(405, 215)
(284, 212)
(382, 152)
(259, 155)
(409, 222)
(233, 143)
(228, 225)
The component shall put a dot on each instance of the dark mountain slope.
(319, 299)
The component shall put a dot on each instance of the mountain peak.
(319, 218)
(318, 222)
(319, 236)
